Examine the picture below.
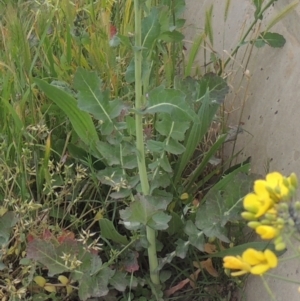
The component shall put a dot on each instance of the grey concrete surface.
(270, 98)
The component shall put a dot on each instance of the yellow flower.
(275, 185)
(257, 204)
(251, 261)
(266, 232)
(261, 261)
(236, 263)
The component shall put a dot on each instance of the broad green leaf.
(210, 224)
(119, 281)
(165, 164)
(109, 231)
(190, 87)
(130, 162)
(231, 204)
(165, 275)
(174, 147)
(109, 152)
(175, 224)
(150, 28)
(144, 209)
(120, 194)
(182, 248)
(81, 121)
(159, 221)
(130, 75)
(227, 180)
(155, 146)
(95, 286)
(94, 101)
(223, 203)
(166, 126)
(2, 266)
(96, 264)
(120, 182)
(139, 211)
(171, 36)
(161, 180)
(46, 253)
(169, 101)
(216, 85)
(196, 237)
(7, 222)
(275, 40)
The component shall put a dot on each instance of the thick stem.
(152, 255)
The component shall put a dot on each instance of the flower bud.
(291, 222)
(248, 216)
(253, 224)
(280, 221)
(294, 180)
(286, 182)
(270, 216)
(278, 240)
(283, 207)
(297, 206)
(265, 221)
(280, 247)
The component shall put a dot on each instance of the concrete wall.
(271, 114)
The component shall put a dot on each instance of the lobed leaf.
(109, 231)
(46, 253)
(196, 237)
(7, 222)
(169, 101)
(94, 101)
(96, 286)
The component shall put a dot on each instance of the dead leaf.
(196, 203)
(208, 266)
(66, 234)
(192, 279)
(131, 264)
(177, 287)
(210, 248)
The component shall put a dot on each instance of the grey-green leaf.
(93, 100)
(109, 231)
(273, 39)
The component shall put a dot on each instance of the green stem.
(152, 254)
(259, 15)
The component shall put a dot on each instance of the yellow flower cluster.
(251, 261)
(270, 197)
(262, 210)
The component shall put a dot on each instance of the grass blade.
(193, 53)
(282, 14)
(81, 121)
